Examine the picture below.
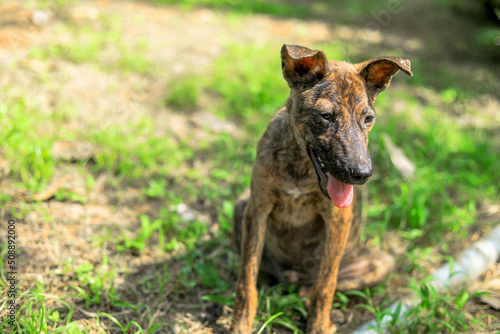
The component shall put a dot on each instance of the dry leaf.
(492, 300)
(52, 189)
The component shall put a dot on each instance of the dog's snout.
(360, 174)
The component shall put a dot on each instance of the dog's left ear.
(303, 67)
(378, 72)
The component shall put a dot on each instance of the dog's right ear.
(303, 67)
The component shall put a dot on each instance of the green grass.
(26, 143)
(432, 312)
(351, 10)
(132, 151)
(247, 7)
(438, 313)
(280, 305)
(105, 48)
(185, 94)
(41, 311)
(35, 316)
(455, 166)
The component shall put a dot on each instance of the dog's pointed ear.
(378, 72)
(303, 67)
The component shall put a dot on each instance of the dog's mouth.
(339, 193)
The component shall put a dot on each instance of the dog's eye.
(326, 115)
(369, 120)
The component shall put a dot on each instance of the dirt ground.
(54, 232)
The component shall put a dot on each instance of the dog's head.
(331, 112)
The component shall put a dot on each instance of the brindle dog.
(301, 215)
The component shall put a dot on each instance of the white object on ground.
(40, 18)
(398, 158)
(471, 264)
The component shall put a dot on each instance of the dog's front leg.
(252, 245)
(336, 234)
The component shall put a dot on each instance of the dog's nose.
(360, 174)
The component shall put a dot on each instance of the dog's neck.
(289, 138)
(295, 158)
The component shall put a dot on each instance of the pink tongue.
(340, 193)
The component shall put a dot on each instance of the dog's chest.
(297, 202)
(295, 207)
(295, 227)
(295, 192)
